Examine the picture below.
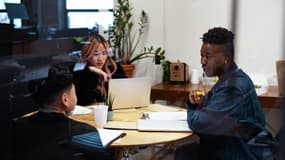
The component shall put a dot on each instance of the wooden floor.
(163, 154)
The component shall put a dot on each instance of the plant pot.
(129, 68)
(110, 116)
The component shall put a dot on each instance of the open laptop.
(130, 92)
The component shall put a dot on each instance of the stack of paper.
(164, 121)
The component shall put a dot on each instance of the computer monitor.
(16, 10)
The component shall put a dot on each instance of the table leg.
(163, 150)
(122, 153)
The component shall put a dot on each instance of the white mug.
(195, 76)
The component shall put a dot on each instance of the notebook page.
(108, 135)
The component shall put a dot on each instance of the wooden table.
(180, 93)
(136, 138)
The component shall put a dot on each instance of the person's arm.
(105, 75)
(86, 86)
(120, 73)
(216, 115)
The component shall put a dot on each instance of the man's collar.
(233, 68)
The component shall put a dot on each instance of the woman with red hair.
(92, 82)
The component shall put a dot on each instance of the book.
(108, 135)
(97, 140)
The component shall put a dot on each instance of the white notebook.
(163, 125)
(108, 135)
(179, 116)
(163, 121)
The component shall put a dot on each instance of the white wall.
(178, 26)
(186, 21)
(259, 41)
(153, 36)
(154, 10)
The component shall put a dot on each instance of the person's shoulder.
(241, 80)
(80, 127)
(81, 71)
(84, 75)
(27, 117)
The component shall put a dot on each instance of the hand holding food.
(196, 96)
(200, 93)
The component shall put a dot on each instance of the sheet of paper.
(163, 125)
(180, 116)
(81, 110)
(108, 135)
(121, 125)
(125, 110)
(163, 108)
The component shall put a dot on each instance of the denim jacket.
(230, 110)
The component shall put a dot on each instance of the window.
(4, 16)
(89, 13)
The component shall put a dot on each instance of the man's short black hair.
(59, 78)
(219, 35)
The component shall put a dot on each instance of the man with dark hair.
(47, 133)
(228, 119)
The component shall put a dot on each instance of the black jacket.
(86, 83)
(46, 136)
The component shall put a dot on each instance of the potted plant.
(109, 100)
(124, 39)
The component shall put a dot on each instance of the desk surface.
(180, 92)
(134, 137)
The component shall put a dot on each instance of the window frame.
(81, 11)
(5, 11)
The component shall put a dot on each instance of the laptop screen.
(130, 92)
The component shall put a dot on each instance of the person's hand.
(196, 96)
(105, 75)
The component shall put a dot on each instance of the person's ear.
(65, 99)
(227, 60)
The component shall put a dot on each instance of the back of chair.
(280, 68)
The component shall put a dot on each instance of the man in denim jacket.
(228, 119)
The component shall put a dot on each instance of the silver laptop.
(130, 92)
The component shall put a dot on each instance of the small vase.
(110, 116)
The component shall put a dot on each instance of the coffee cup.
(100, 115)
